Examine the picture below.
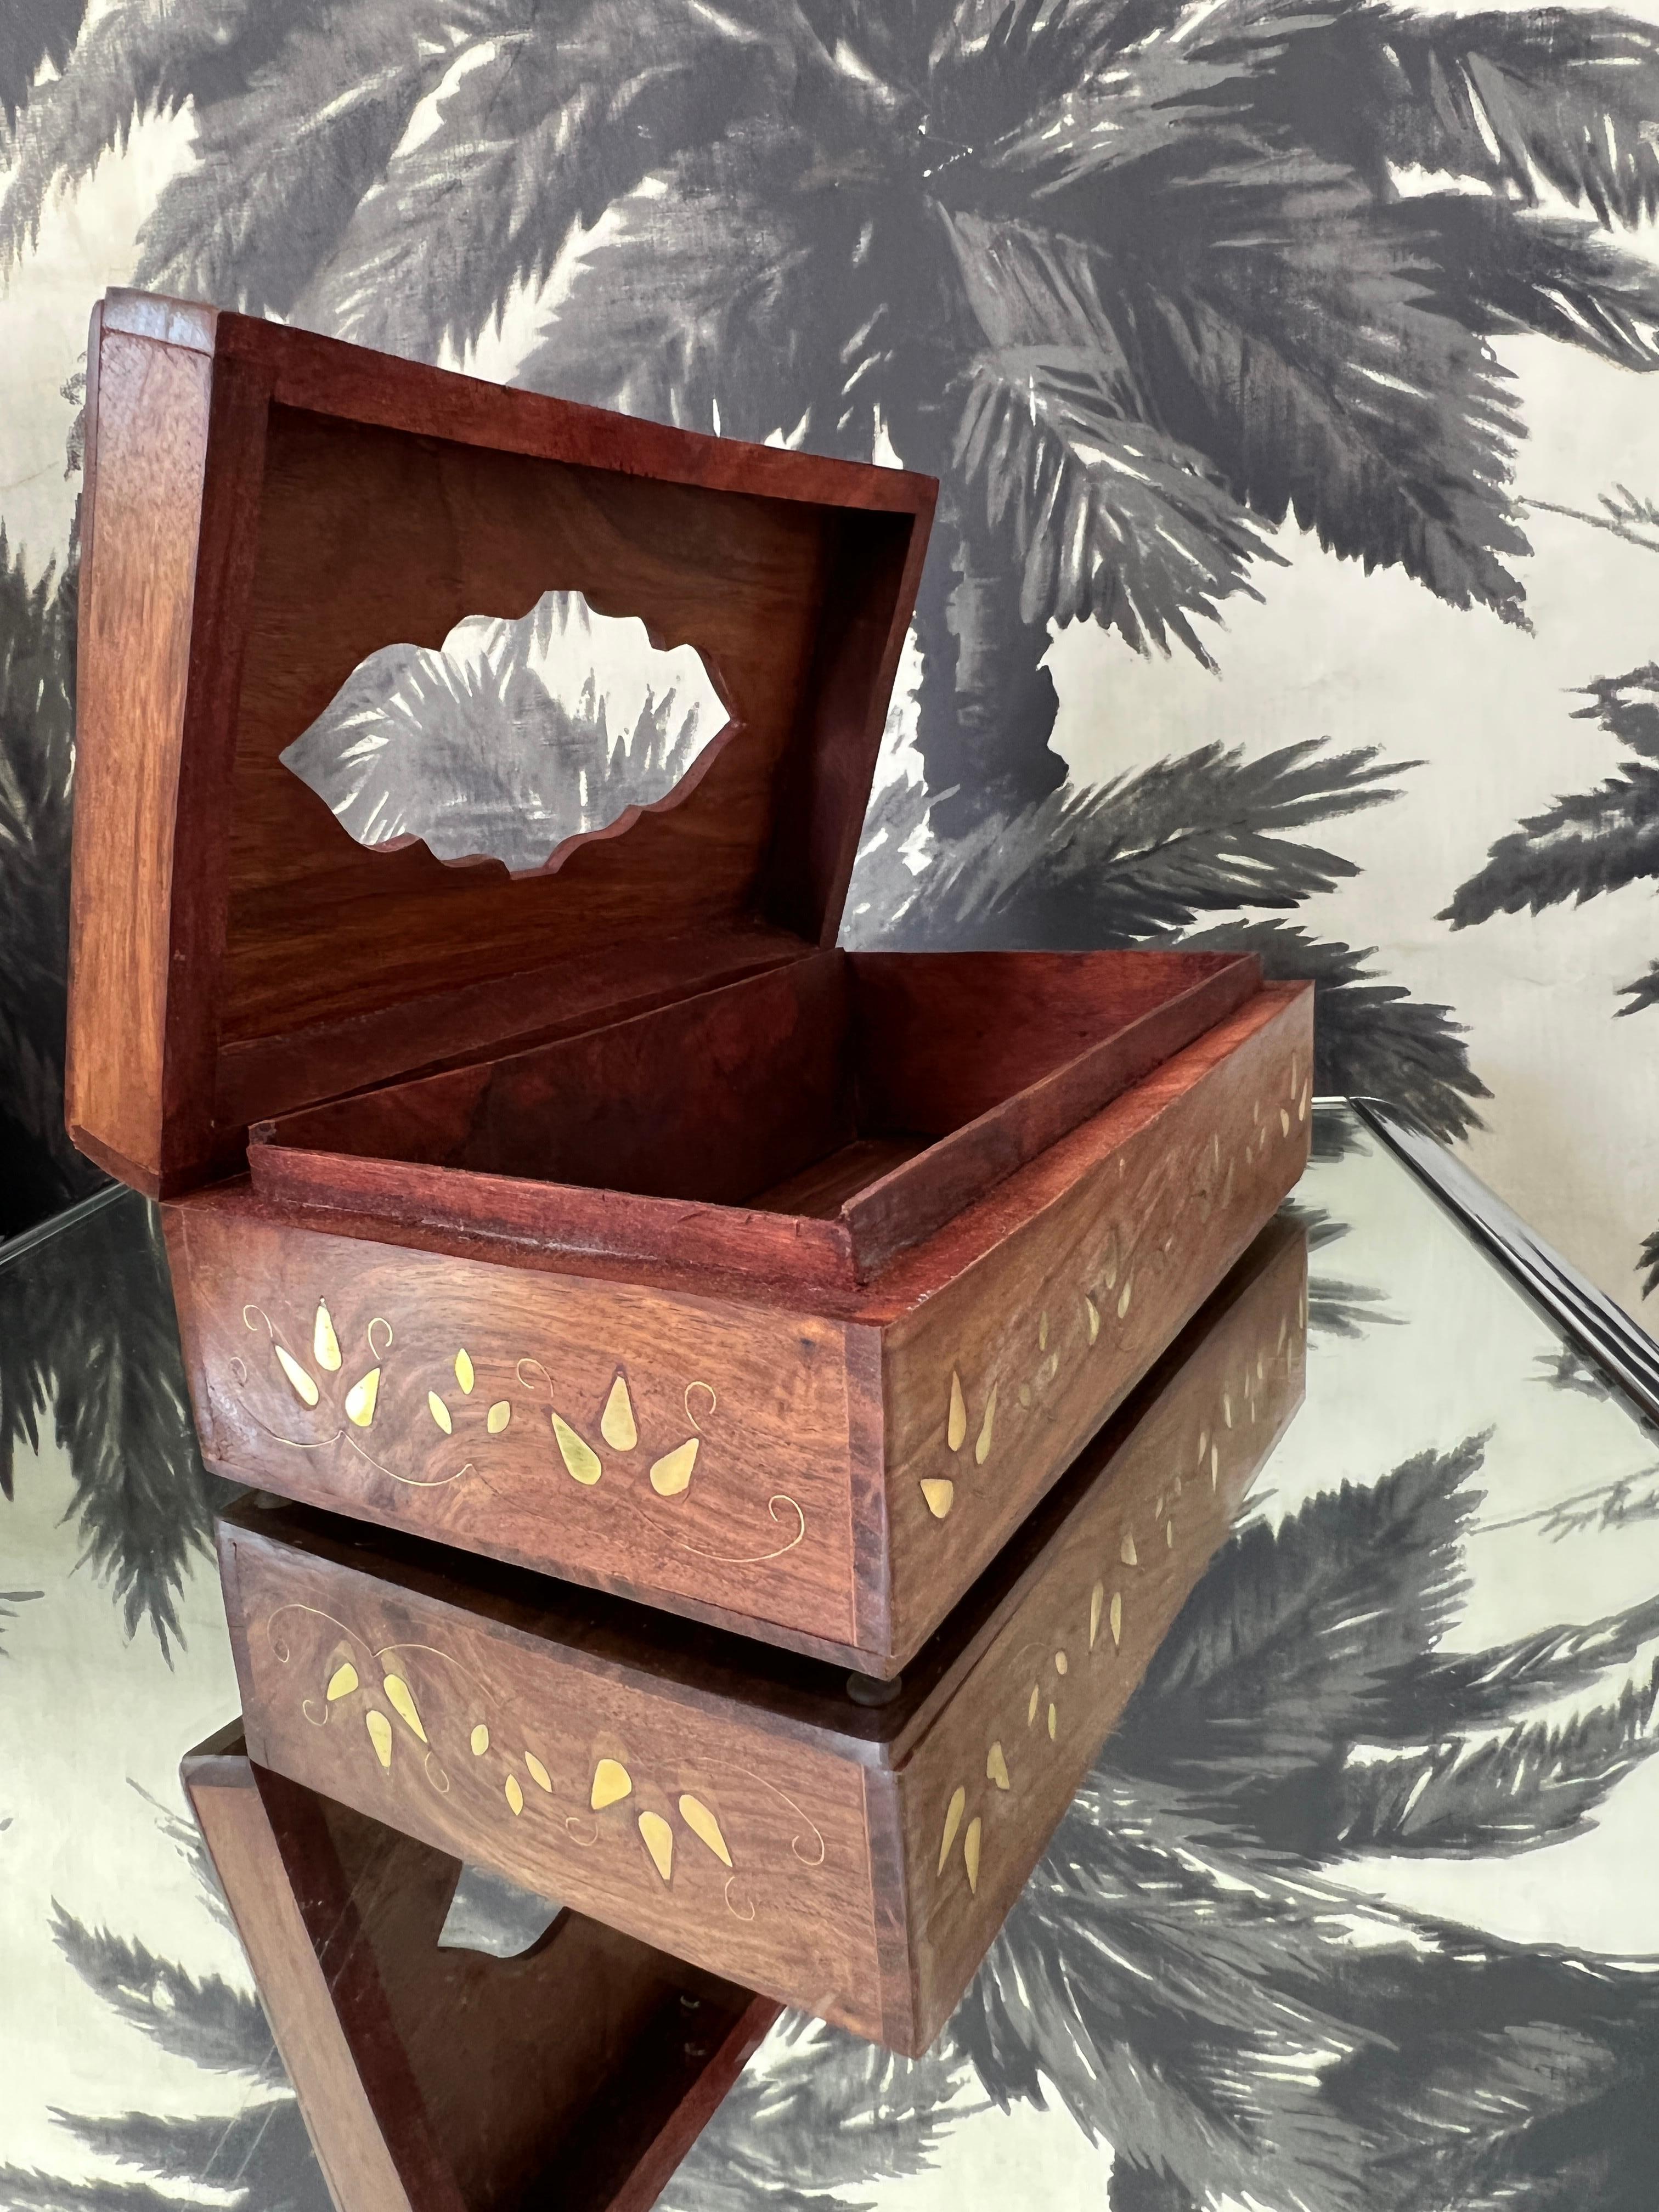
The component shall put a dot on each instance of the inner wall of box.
(320, 930)
(789, 1092)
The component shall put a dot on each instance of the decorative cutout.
(515, 741)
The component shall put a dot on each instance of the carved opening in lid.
(514, 741)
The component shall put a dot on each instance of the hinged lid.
(265, 510)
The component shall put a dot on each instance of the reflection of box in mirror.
(852, 1854)
(604, 1218)
(433, 2078)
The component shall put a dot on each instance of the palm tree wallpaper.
(1354, 1910)
(1262, 353)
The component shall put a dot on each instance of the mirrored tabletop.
(1354, 1910)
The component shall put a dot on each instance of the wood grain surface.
(268, 508)
(803, 1518)
(735, 1806)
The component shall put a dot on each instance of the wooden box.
(445, 2079)
(601, 1217)
(751, 1811)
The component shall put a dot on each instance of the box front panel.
(995, 1384)
(677, 1451)
(709, 1835)
(983, 1792)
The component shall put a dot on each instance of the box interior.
(842, 1107)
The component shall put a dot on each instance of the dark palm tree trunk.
(987, 704)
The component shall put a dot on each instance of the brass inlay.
(514, 1793)
(1042, 1333)
(970, 1853)
(1030, 1710)
(402, 1704)
(1024, 1393)
(1059, 1662)
(616, 1423)
(1215, 1465)
(1125, 1295)
(705, 1828)
(1284, 1122)
(439, 1412)
(342, 1682)
(581, 1462)
(982, 1444)
(1125, 1550)
(953, 1812)
(940, 1494)
(1053, 1718)
(611, 1783)
(1093, 1313)
(671, 1473)
(1117, 1617)
(1049, 1368)
(361, 1397)
(464, 1373)
(380, 1733)
(956, 1425)
(1169, 1535)
(324, 1345)
(658, 1839)
(498, 1417)
(1227, 1409)
(305, 1388)
(480, 1741)
(537, 1773)
(996, 1766)
(1096, 1600)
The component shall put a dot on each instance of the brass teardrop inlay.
(402, 1703)
(324, 1345)
(659, 1838)
(1117, 1617)
(956, 1425)
(970, 1853)
(672, 1472)
(940, 1494)
(617, 1423)
(1093, 1313)
(464, 1373)
(305, 1388)
(342, 1682)
(1127, 1551)
(705, 1828)
(953, 1812)
(996, 1766)
(537, 1773)
(498, 1417)
(514, 1793)
(439, 1412)
(1096, 1600)
(361, 1398)
(982, 1445)
(380, 1733)
(581, 1462)
(611, 1783)
(480, 1741)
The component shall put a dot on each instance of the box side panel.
(704, 1832)
(146, 465)
(986, 1788)
(1114, 1238)
(683, 1451)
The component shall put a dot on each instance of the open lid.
(266, 509)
